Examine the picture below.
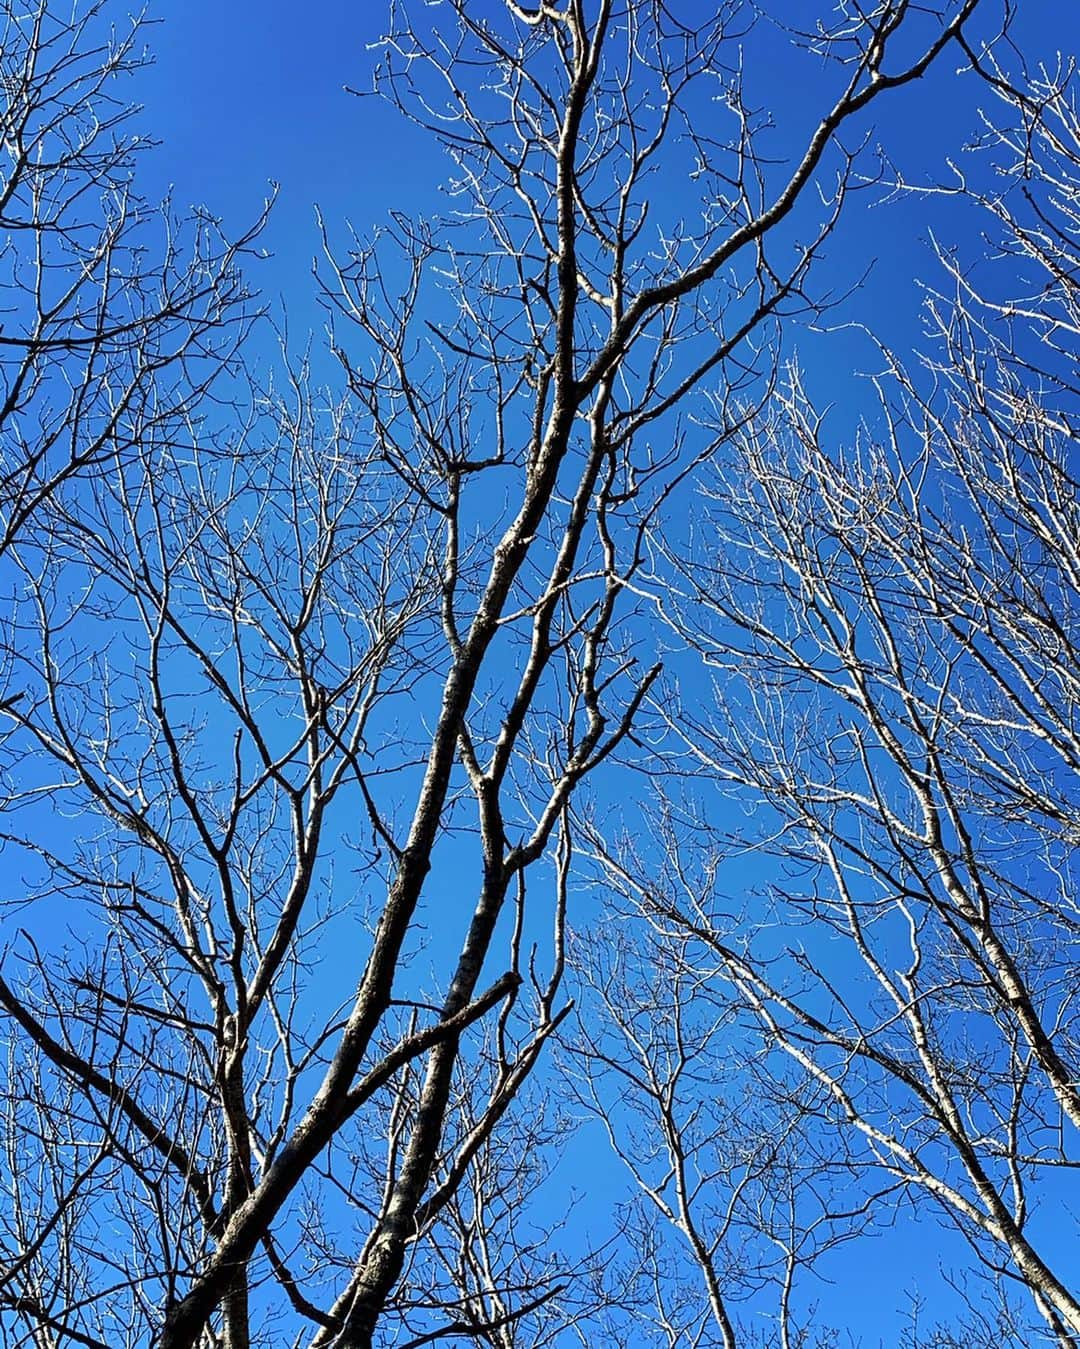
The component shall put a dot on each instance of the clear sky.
(244, 95)
(247, 94)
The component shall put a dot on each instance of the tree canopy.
(544, 811)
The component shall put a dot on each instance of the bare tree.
(893, 626)
(736, 1200)
(116, 314)
(299, 699)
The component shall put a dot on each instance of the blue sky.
(243, 95)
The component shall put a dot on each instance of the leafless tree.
(893, 623)
(116, 314)
(299, 698)
(736, 1199)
